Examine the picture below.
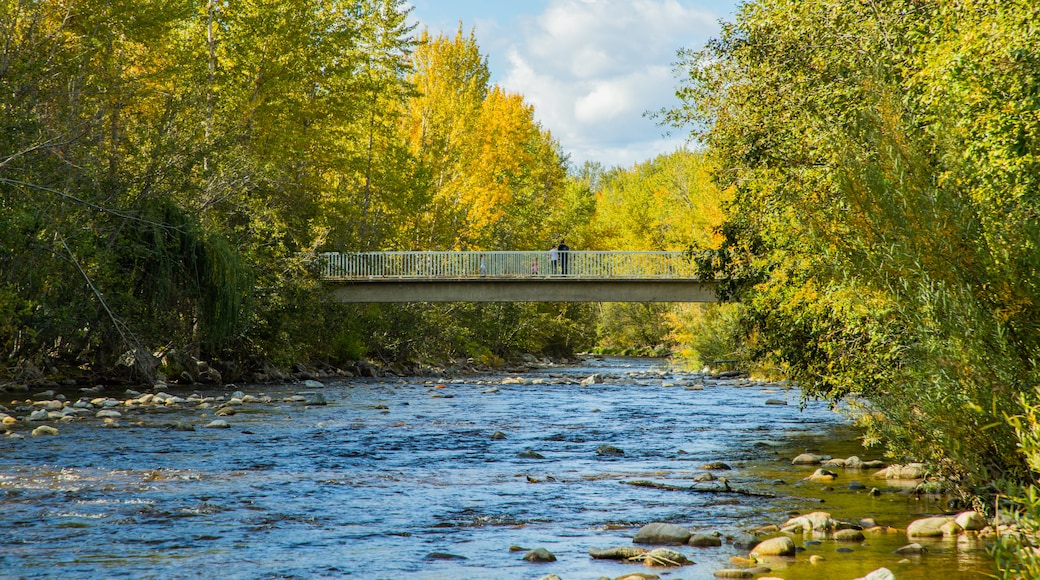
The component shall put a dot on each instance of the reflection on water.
(403, 479)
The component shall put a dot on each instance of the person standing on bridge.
(564, 257)
(554, 257)
(483, 266)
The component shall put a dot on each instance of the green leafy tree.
(883, 166)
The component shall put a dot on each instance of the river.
(402, 478)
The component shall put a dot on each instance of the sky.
(590, 68)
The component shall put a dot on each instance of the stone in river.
(662, 534)
(705, 477)
(108, 414)
(927, 527)
(609, 451)
(44, 430)
(823, 476)
(218, 424)
(498, 435)
(807, 459)
(539, 555)
(849, 536)
(733, 573)
(776, 402)
(622, 553)
(717, 465)
(315, 399)
(971, 520)
(914, 549)
(704, 541)
(443, 556)
(38, 415)
(530, 455)
(664, 557)
(879, 574)
(781, 546)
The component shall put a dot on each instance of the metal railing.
(455, 265)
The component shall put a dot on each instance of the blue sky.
(591, 68)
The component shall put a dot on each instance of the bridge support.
(522, 290)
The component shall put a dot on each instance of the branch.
(695, 489)
(90, 204)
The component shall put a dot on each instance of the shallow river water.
(401, 478)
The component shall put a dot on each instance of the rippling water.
(401, 478)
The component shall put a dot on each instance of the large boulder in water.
(662, 534)
(927, 527)
(781, 546)
(807, 459)
(971, 520)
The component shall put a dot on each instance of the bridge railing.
(455, 265)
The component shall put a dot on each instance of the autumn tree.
(868, 175)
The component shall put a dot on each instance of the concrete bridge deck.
(515, 277)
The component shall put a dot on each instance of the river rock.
(971, 520)
(38, 415)
(705, 477)
(312, 384)
(853, 462)
(218, 424)
(622, 553)
(593, 379)
(776, 402)
(44, 430)
(315, 399)
(609, 451)
(498, 435)
(733, 573)
(530, 455)
(745, 541)
(848, 536)
(704, 541)
(662, 534)
(807, 459)
(539, 555)
(927, 527)
(550, 577)
(54, 405)
(879, 574)
(716, 466)
(781, 546)
(108, 414)
(444, 556)
(914, 549)
(951, 528)
(665, 558)
(634, 576)
(822, 476)
(908, 471)
(815, 521)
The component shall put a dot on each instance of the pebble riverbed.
(430, 478)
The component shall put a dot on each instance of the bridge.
(514, 277)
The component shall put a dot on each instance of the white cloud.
(592, 68)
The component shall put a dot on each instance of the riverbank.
(387, 477)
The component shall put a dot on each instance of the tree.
(868, 175)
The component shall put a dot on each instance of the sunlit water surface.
(401, 479)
